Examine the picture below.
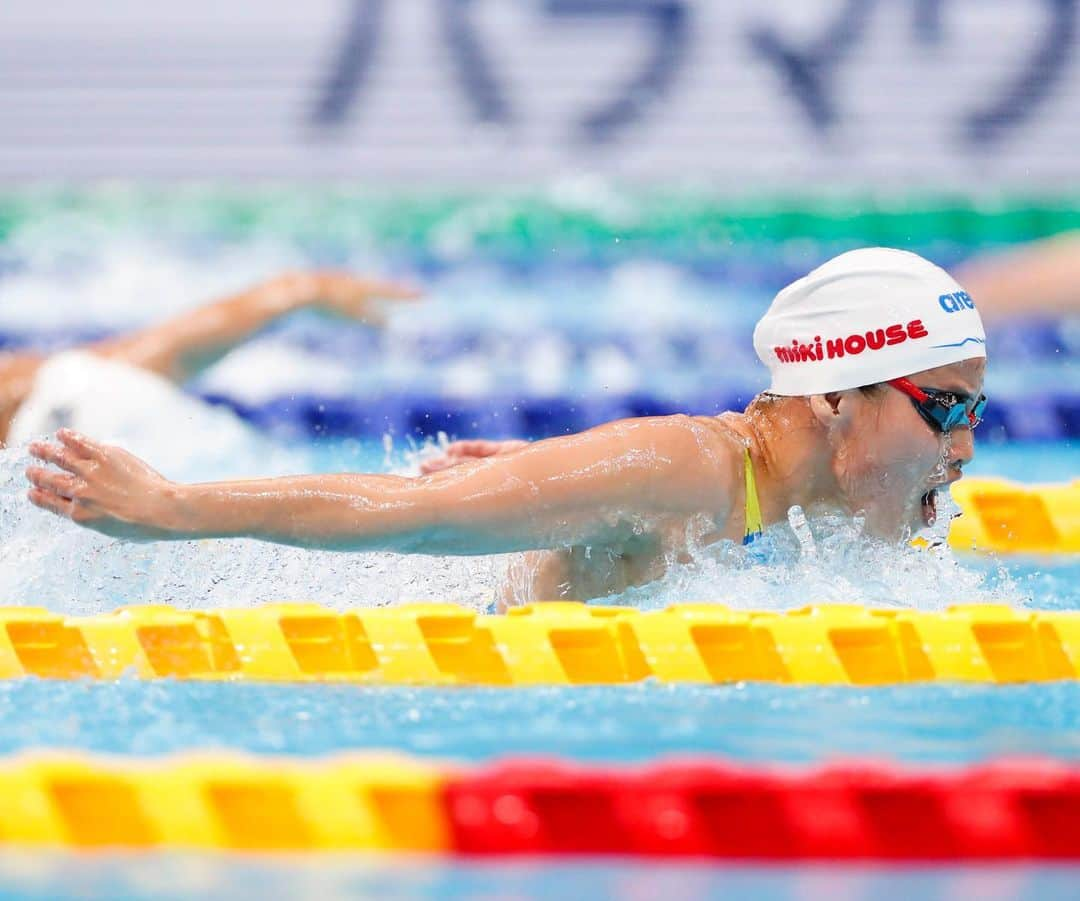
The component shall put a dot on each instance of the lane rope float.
(559, 643)
(699, 808)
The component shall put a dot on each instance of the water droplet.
(801, 528)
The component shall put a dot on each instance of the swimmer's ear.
(827, 406)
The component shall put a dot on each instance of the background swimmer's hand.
(101, 487)
(182, 347)
(463, 451)
(344, 294)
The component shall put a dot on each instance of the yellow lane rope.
(545, 644)
(1007, 517)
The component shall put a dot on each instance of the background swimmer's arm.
(179, 348)
(593, 488)
(1039, 278)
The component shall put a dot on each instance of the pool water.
(539, 321)
(947, 723)
(164, 877)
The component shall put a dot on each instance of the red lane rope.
(1013, 810)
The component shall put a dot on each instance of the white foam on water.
(87, 277)
(829, 559)
(51, 562)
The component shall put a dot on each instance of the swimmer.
(876, 388)
(1037, 279)
(180, 348)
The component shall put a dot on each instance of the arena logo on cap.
(854, 344)
(954, 303)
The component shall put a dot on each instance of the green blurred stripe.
(528, 222)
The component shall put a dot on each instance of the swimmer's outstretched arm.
(591, 488)
(180, 347)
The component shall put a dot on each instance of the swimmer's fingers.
(480, 447)
(455, 454)
(80, 445)
(476, 447)
(462, 451)
(436, 464)
(384, 289)
(61, 484)
(360, 298)
(58, 456)
(46, 500)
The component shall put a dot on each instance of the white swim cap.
(864, 317)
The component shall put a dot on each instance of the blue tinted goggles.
(943, 410)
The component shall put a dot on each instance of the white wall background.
(231, 88)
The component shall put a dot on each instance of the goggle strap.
(910, 388)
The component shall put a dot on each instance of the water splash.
(829, 559)
(803, 534)
(940, 472)
(50, 562)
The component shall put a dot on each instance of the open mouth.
(929, 507)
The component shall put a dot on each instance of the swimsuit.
(754, 525)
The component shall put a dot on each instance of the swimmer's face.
(888, 460)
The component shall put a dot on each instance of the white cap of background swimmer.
(864, 317)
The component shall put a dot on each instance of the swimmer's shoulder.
(700, 457)
(724, 435)
(708, 454)
(729, 444)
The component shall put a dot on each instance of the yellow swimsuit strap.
(753, 507)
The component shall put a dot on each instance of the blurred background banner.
(888, 94)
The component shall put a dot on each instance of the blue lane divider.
(306, 416)
(692, 344)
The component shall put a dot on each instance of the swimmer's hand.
(101, 487)
(341, 293)
(463, 451)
